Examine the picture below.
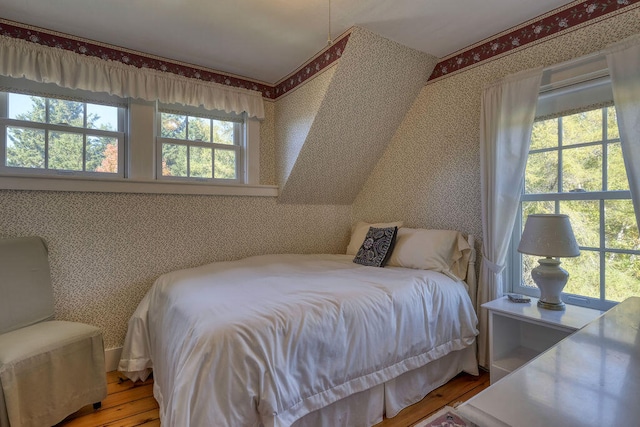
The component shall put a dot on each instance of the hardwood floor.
(461, 388)
(129, 405)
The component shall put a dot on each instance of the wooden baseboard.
(111, 358)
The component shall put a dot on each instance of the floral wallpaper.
(268, 146)
(295, 113)
(373, 86)
(106, 249)
(312, 67)
(429, 175)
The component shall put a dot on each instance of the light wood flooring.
(129, 405)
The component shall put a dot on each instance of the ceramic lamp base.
(550, 279)
(551, 305)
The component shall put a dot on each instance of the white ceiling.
(268, 39)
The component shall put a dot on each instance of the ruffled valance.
(20, 58)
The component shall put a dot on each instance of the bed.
(302, 340)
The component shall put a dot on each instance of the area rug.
(446, 417)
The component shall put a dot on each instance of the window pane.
(174, 160)
(529, 262)
(542, 207)
(66, 112)
(584, 274)
(173, 126)
(65, 151)
(25, 147)
(102, 154)
(582, 127)
(582, 169)
(612, 124)
(199, 129)
(541, 174)
(585, 220)
(26, 107)
(620, 228)
(200, 162)
(223, 132)
(622, 272)
(225, 166)
(102, 117)
(544, 134)
(616, 172)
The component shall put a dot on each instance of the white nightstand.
(519, 332)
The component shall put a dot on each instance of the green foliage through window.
(198, 147)
(55, 134)
(575, 167)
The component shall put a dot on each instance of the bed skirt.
(367, 408)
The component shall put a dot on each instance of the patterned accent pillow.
(377, 246)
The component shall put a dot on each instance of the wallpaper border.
(566, 18)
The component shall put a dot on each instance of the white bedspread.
(268, 339)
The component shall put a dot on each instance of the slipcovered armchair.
(48, 368)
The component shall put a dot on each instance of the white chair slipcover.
(48, 368)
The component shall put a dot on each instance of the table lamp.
(549, 235)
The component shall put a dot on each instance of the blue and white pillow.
(377, 246)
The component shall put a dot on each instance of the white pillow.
(446, 251)
(359, 232)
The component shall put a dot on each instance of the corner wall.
(294, 114)
(373, 85)
(429, 175)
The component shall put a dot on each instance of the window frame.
(139, 165)
(36, 90)
(515, 258)
(239, 145)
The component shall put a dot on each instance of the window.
(198, 146)
(575, 167)
(51, 135)
(60, 139)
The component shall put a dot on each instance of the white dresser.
(590, 378)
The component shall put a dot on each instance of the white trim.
(574, 84)
(128, 186)
(141, 146)
(111, 358)
(575, 62)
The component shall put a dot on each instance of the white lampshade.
(548, 235)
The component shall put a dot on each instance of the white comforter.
(268, 339)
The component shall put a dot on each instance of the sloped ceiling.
(369, 93)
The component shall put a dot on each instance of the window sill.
(127, 186)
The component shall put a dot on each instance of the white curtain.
(623, 59)
(20, 58)
(506, 119)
